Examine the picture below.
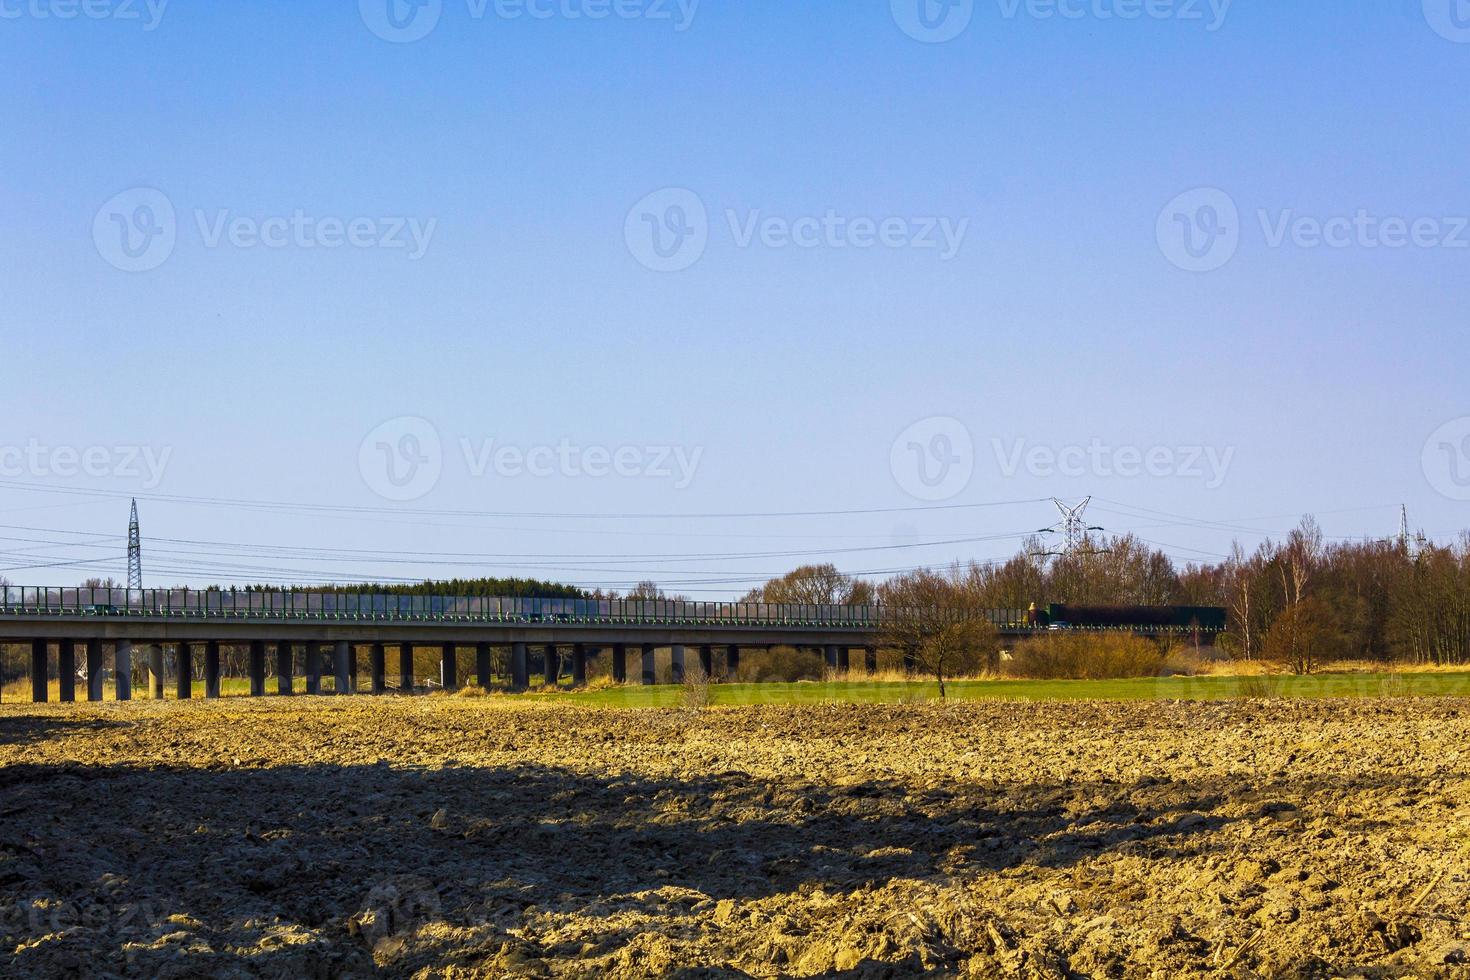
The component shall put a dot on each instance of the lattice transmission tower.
(135, 551)
(1073, 528)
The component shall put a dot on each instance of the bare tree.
(814, 585)
(649, 589)
(938, 625)
(1298, 636)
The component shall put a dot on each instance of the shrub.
(781, 664)
(1258, 686)
(696, 693)
(1086, 656)
(1299, 637)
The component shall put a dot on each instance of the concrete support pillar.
(257, 668)
(870, 659)
(285, 669)
(405, 668)
(579, 665)
(553, 665)
(122, 670)
(211, 669)
(732, 661)
(831, 656)
(619, 663)
(483, 669)
(844, 660)
(155, 671)
(95, 670)
(184, 662)
(66, 669)
(342, 667)
(676, 662)
(520, 674)
(313, 668)
(448, 667)
(648, 674)
(378, 667)
(707, 661)
(39, 686)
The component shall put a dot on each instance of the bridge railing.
(215, 604)
(350, 606)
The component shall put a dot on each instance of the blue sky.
(1056, 323)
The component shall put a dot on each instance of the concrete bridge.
(328, 629)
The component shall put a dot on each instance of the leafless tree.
(814, 585)
(938, 625)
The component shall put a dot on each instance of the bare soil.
(446, 837)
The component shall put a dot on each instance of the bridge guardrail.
(216, 604)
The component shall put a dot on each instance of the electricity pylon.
(1074, 529)
(135, 552)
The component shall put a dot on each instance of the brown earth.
(486, 837)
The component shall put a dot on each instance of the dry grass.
(1076, 656)
(1259, 686)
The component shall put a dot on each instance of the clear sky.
(718, 258)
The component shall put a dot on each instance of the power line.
(548, 515)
